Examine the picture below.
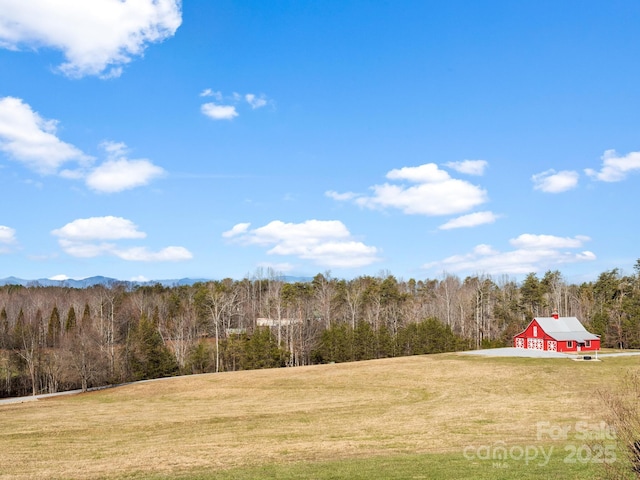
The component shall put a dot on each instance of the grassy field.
(441, 416)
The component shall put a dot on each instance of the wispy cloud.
(341, 197)
(95, 236)
(470, 220)
(469, 167)
(325, 242)
(143, 254)
(532, 253)
(615, 168)
(207, 92)
(435, 192)
(551, 181)
(226, 107)
(96, 37)
(255, 101)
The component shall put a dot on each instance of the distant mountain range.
(106, 281)
(92, 281)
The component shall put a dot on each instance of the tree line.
(59, 338)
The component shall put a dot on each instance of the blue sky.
(153, 139)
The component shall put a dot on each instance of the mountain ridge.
(108, 281)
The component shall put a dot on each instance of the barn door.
(535, 343)
(552, 346)
(519, 342)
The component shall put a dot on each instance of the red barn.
(557, 334)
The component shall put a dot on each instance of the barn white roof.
(565, 328)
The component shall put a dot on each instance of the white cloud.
(77, 174)
(327, 243)
(551, 181)
(436, 193)
(309, 231)
(341, 197)
(533, 253)
(122, 174)
(31, 140)
(92, 237)
(427, 173)
(139, 278)
(614, 167)
(7, 235)
(484, 249)
(118, 173)
(207, 92)
(238, 229)
(114, 149)
(255, 101)
(219, 112)
(85, 249)
(96, 37)
(470, 220)
(99, 228)
(60, 278)
(7, 239)
(531, 241)
(142, 254)
(469, 167)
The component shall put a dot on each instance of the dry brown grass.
(438, 403)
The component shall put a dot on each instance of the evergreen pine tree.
(70, 323)
(149, 357)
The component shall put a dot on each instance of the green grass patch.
(407, 467)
